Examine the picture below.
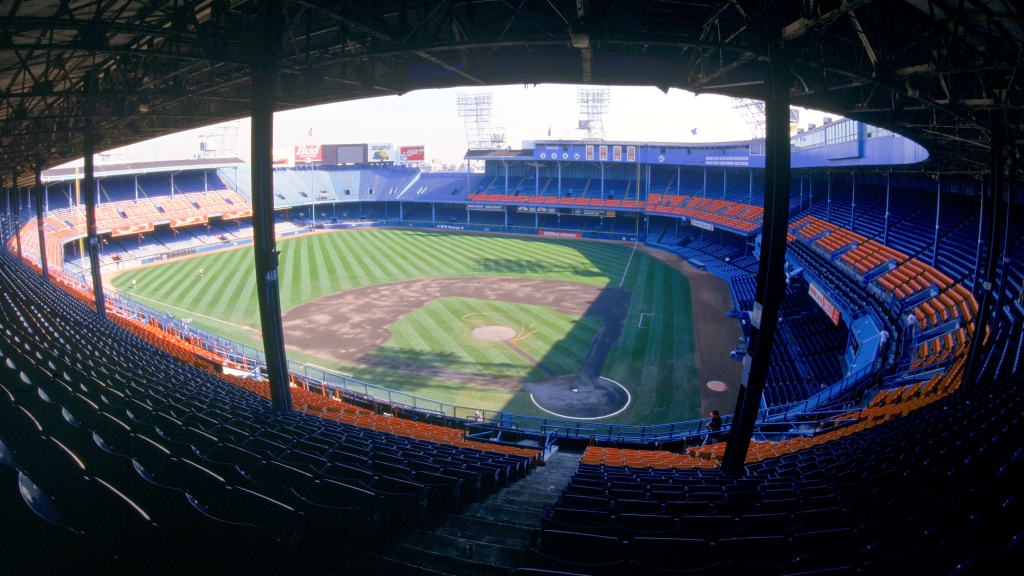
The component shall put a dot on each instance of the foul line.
(246, 328)
(624, 272)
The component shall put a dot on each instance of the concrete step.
(470, 549)
(485, 530)
(446, 563)
(505, 514)
(377, 564)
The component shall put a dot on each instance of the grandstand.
(885, 417)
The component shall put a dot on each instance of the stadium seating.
(865, 498)
(130, 453)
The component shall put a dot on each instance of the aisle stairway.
(485, 538)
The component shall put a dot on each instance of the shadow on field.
(507, 266)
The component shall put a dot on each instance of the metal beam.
(17, 211)
(771, 281)
(92, 242)
(974, 357)
(264, 82)
(38, 191)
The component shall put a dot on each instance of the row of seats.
(117, 455)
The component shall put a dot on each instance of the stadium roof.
(937, 71)
(125, 169)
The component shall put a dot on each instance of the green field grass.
(439, 335)
(656, 362)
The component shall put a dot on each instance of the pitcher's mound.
(494, 333)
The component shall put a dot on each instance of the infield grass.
(656, 362)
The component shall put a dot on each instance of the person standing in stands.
(714, 426)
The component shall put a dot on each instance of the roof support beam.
(771, 281)
(268, 290)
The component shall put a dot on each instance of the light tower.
(752, 112)
(220, 142)
(476, 109)
(592, 102)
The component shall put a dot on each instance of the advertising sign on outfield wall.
(558, 234)
(823, 301)
(411, 153)
(537, 209)
(702, 224)
(486, 207)
(309, 153)
(593, 212)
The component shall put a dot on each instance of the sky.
(430, 118)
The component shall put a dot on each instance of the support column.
(800, 207)
(771, 281)
(92, 242)
(679, 173)
(888, 192)
(506, 177)
(433, 213)
(17, 211)
(938, 212)
(559, 164)
(39, 221)
(536, 179)
(725, 180)
(602, 180)
(264, 82)
(984, 307)
(810, 192)
(981, 229)
(704, 189)
(750, 189)
(1011, 174)
(828, 199)
(506, 216)
(853, 198)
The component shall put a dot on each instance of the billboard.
(411, 153)
(702, 224)
(309, 153)
(590, 151)
(823, 301)
(603, 153)
(631, 153)
(617, 153)
(382, 153)
(350, 154)
(283, 157)
(558, 234)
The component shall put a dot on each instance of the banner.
(382, 153)
(188, 221)
(309, 153)
(631, 153)
(703, 225)
(486, 207)
(132, 229)
(537, 209)
(411, 153)
(236, 214)
(823, 301)
(617, 153)
(593, 212)
(602, 153)
(558, 234)
(590, 152)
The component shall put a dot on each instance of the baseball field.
(478, 320)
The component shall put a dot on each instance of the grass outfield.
(656, 362)
(439, 335)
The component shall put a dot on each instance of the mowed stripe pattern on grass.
(439, 335)
(321, 264)
(657, 362)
